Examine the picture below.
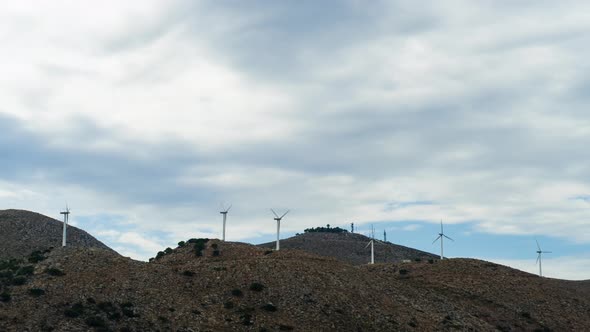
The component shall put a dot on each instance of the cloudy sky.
(145, 116)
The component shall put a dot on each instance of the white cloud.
(156, 113)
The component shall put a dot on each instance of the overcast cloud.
(145, 115)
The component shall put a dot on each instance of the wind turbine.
(539, 252)
(66, 214)
(372, 244)
(278, 219)
(441, 236)
(224, 213)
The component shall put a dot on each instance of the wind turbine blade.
(436, 239)
(547, 252)
(368, 244)
(273, 212)
(228, 208)
(538, 246)
(441, 226)
(448, 238)
(538, 258)
(284, 214)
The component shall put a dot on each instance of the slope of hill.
(24, 232)
(223, 286)
(350, 248)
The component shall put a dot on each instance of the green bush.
(228, 305)
(95, 321)
(36, 292)
(53, 271)
(188, 273)
(256, 287)
(269, 307)
(181, 244)
(237, 292)
(106, 307)
(168, 250)
(215, 253)
(246, 319)
(19, 281)
(126, 304)
(28, 270)
(403, 271)
(75, 310)
(36, 256)
(214, 246)
(128, 311)
(5, 297)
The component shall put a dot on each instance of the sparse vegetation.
(53, 271)
(5, 297)
(269, 307)
(246, 319)
(256, 287)
(36, 292)
(237, 292)
(36, 256)
(75, 310)
(127, 309)
(199, 245)
(27, 270)
(188, 273)
(95, 321)
(18, 281)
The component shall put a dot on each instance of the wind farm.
(425, 166)
(279, 289)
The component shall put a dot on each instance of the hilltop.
(24, 232)
(350, 247)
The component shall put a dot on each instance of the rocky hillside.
(351, 248)
(208, 285)
(23, 232)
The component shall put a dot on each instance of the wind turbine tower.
(372, 244)
(66, 214)
(384, 236)
(539, 253)
(224, 212)
(441, 236)
(278, 219)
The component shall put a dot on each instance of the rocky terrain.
(209, 285)
(351, 248)
(23, 232)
